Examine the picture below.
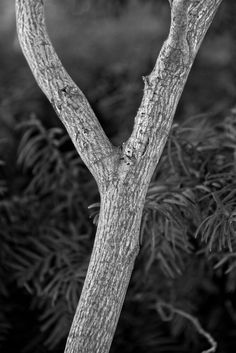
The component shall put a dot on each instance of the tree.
(122, 173)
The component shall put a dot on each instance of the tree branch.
(67, 99)
(161, 307)
(190, 20)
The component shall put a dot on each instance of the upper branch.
(67, 99)
(190, 20)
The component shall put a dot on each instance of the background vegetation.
(49, 202)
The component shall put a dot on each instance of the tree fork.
(122, 174)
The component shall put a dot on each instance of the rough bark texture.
(123, 174)
(115, 249)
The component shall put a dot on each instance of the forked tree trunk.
(123, 174)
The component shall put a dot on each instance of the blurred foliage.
(188, 246)
(54, 235)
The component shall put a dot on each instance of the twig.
(161, 306)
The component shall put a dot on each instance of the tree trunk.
(115, 249)
(123, 174)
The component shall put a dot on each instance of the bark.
(123, 174)
(112, 261)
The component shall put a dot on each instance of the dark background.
(106, 46)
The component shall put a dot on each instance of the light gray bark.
(123, 174)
